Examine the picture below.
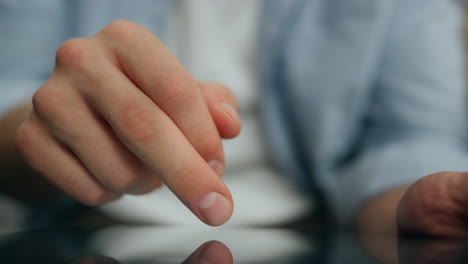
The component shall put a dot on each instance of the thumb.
(223, 107)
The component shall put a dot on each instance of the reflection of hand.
(119, 115)
(436, 205)
(211, 252)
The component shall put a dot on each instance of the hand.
(120, 115)
(210, 252)
(422, 222)
(436, 205)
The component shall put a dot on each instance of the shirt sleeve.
(417, 120)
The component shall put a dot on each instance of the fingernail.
(217, 166)
(215, 208)
(231, 111)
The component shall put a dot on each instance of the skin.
(209, 252)
(434, 206)
(121, 116)
(378, 215)
(29, 186)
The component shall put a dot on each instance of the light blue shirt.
(360, 95)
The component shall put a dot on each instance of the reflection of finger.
(211, 252)
(94, 260)
(48, 156)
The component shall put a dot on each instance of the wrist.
(378, 215)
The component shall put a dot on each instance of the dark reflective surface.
(420, 250)
(211, 245)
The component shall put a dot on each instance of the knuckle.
(122, 30)
(139, 124)
(74, 53)
(46, 102)
(39, 100)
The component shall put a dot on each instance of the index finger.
(155, 71)
(154, 137)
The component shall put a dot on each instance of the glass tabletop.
(149, 244)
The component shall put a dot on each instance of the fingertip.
(229, 124)
(231, 111)
(217, 166)
(215, 209)
(223, 107)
